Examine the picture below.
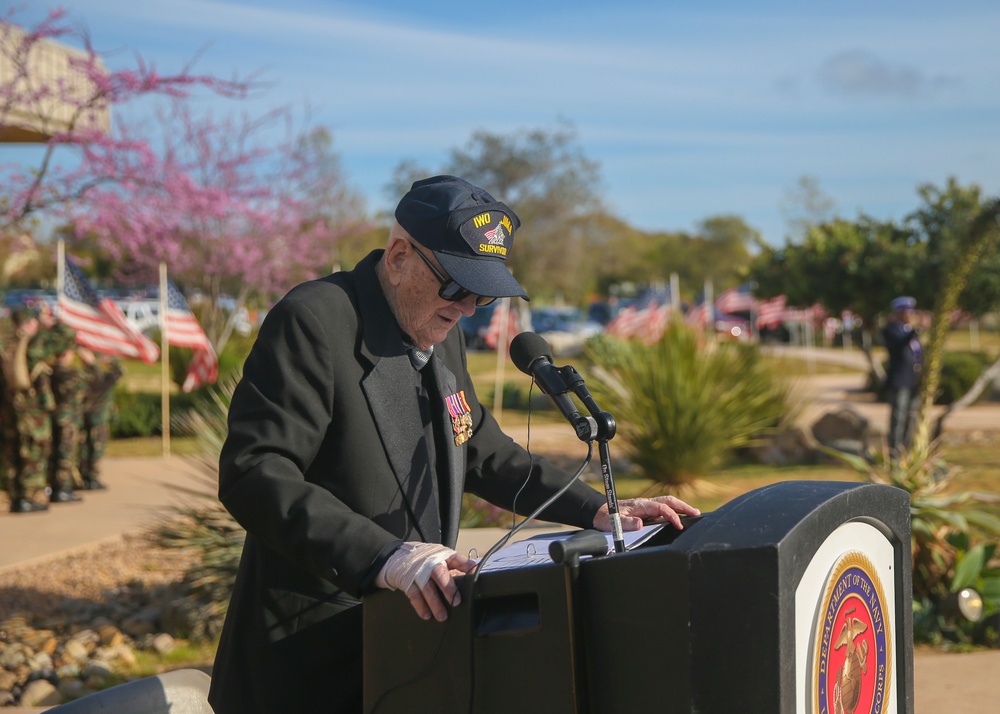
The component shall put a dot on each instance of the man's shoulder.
(896, 329)
(324, 297)
(326, 305)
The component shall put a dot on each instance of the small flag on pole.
(184, 330)
(504, 325)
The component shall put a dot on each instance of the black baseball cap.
(470, 233)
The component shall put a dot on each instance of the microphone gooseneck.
(532, 355)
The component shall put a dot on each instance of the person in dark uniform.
(352, 436)
(903, 373)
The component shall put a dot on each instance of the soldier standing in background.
(103, 373)
(903, 373)
(6, 417)
(14, 378)
(28, 403)
(69, 386)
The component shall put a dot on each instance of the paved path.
(138, 489)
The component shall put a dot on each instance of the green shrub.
(514, 396)
(140, 413)
(234, 354)
(681, 407)
(953, 535)
(135, 414)
(959, 371)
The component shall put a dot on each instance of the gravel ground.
(94, 573)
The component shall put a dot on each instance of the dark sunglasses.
(450, 290)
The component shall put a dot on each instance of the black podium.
(791, 598)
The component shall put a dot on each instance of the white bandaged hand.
(412, 563)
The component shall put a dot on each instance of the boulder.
(844, 430)
(40, 693)
(793, 445)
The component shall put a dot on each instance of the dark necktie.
(419, 358)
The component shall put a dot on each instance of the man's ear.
(395, 259)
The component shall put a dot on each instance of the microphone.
(531, 354)
(569, 551)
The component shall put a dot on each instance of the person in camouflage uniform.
(6, 418)
(57, 345)
(28, 403)
(13, 376)
(103, 374)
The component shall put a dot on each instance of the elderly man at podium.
(353, 434)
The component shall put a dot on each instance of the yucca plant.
(953, 531)
(683, 405)
(204, 525)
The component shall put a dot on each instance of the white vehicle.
(144, 315)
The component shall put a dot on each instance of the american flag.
(657, 317)
(625, 323)
(99, 323)
(502, 314)
(647, 318)
(700, 315)
(736, 300)
(184, 330)
(770, 312)
(803, 314)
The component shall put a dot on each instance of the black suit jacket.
(325, 465)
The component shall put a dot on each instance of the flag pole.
(164, 363)
(60, 268)
(501, 358)
(709, 295)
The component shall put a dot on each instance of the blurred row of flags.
(101, 326)
(649, 316)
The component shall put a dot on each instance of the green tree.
(845, 265)
(963, 232)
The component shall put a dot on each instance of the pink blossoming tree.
(230, 210)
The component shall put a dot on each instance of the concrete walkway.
(139, 489)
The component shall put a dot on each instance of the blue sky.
(691, 109)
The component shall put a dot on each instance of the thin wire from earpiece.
(516, 527)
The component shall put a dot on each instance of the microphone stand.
(603, 430)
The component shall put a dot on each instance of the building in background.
(45, 90)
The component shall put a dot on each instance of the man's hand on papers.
(635, 511)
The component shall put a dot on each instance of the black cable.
(502, 542)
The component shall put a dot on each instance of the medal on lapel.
(461, 417)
